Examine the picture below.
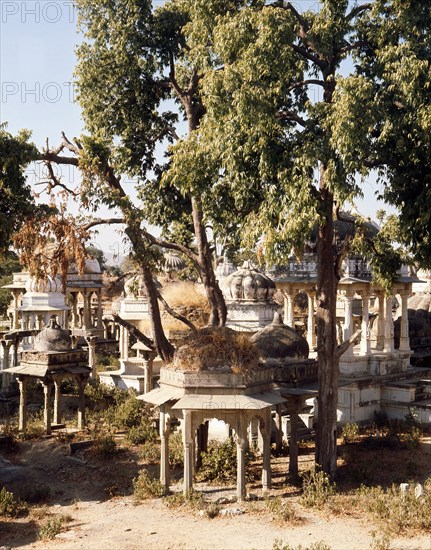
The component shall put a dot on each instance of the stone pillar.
(91, 341)
(87, 311)
(57, 402)
(311, 333)
(365, 337)
(5, 377)
(278, 429)
(99, 323)
(148, 357)
(265, 430)
(188, 442)
(75, 316)
(15, 313)
(288, 309)
(404, 324)
(81, 403)
(124, 344)
(388, 341)
(165, 431)
(241, 447)
(293, 442)
(106, 335)
(348, 322)
(47, 407)
(22, 421)
(380, 322)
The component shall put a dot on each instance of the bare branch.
(342, 348)
(351, 47)
(172, 246)
(174, 314)
(290, 115)
(306, 83)
(55, 182)
(102, 221)
(357, 10)
(134, 331)
(310, 56)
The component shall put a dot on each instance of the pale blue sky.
(37, 42)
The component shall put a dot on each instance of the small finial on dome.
(278, 320)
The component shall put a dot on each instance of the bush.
(176, 450)
(145, 486)
(105, 445)
(317, 489)
(279, 545)
(192, 500)
(350, 433)
(220, 463)
(53, 527)
(395, 512)
(281, 510)
(150, 452)
(141, 434)
(9, 507)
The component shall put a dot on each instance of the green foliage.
(9, 507)
(105, 445)
(397, 513)
(145, 487)
(350, 433)
(220, 463)
(316, 489)
(53, 527)
(281, 510)
(192, 500)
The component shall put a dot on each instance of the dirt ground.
(96, 493)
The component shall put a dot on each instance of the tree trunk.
(218, 310)
(326, 440)
(164, 348)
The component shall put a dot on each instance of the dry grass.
(185, 294)
(216, 349)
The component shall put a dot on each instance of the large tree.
(299, 107)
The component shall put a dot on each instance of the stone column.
(148, 357)
(348, 322)
(57, 402)
(87, 311)
(404, 324)
(388, 342)
(288, 309)
(47, 407)
(22, 421)
(365, 337)
(75, 316)
(241, 447)
(81, 403)
(124, 344)
(99, 310)
(278, 429)
(106, 329)
(188, 451)
(91, 341)
(311, 333)
(293, 441)
(380, 322)
(265, 429)
(15, 313)
(165, 431)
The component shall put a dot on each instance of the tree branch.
(174, 314)
(342, 348)
(172, 246)
(306, 83)
(290, 115)
(310, 56)
(351, 47)
(101, 221)
(357, 10)
(134, 331)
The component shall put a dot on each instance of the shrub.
(105, 445)
(53, 527)
(220, 463)
(150, 452)
(281, 510)
(176, 450)
(317, 489)
(350, 433)
(145, 486)
(279, 545)
(192, 500)
(141, 434)
(9, 507)
(395, 512)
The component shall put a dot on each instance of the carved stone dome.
(53, 338)
(248, 283)
(92, 266)
(278, 341)
(48, 284)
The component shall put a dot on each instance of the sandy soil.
(100, 522)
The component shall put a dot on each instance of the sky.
(37, 59)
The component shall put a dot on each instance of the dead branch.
(342, 348)
(140, 336)
(174, 314)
